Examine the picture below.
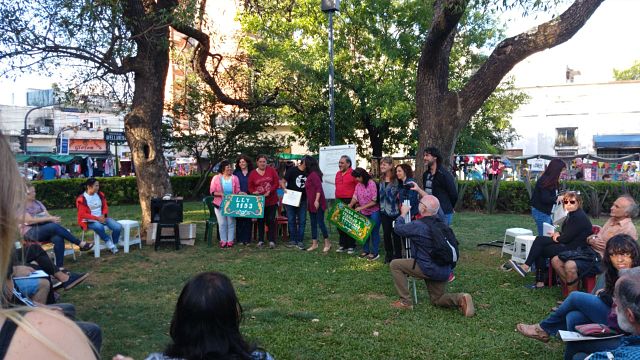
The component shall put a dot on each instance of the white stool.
(127, 226)
(98, 244)
(521, 248)
(509, 248)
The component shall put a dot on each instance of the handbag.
(595, 330)
(558, 214)
(581, 253)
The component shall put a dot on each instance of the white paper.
(548, 229)
(33, 275)
(576, 336)
(292, 197)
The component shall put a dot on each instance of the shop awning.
(287, 156)
(59, 159)
(616, 141)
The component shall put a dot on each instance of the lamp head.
(330, 5)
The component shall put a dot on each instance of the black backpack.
(444, 249)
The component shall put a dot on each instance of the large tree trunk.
(442, 113)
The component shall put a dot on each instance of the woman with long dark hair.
(316, 203)
(582, 308)
(573, 234)
(93, 213)
(545, 194)
(206, 323)
(365, 196)
(389, 209)
(244, 165)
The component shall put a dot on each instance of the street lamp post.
(26, 117)
(330, 7)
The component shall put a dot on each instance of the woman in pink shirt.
(366, 197)
(264, 181)
(223, 184)
(316, 203)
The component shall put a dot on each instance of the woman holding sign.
(222, 184)
(264, 181)
(243, 225)
(366, 196)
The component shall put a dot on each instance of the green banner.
(350, 221)
(246, 206)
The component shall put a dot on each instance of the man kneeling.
(422, 266)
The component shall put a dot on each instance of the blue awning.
(616, 141)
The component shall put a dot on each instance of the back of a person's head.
(206, 321)
(627, 294)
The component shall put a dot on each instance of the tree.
(377, 44)
(442, 110)
(632, 73)
(123, 43)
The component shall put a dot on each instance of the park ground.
(310, 305)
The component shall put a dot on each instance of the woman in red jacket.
(264, 181)
(316, 203)
(93, 214)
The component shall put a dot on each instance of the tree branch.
(515, 49)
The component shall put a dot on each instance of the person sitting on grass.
(622, 211)
(206, 323)
(421, 265)
(573, 234)
(578, 308)
(93, 214)
(42, 227)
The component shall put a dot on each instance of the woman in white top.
(93, 214)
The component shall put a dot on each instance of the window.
(566, 137)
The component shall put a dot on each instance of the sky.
(608, 40)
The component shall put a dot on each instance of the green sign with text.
(350, 221)
(246, 206)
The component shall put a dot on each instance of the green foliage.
(377, 46)
(632, 73)
(62, 193)
(200, 126)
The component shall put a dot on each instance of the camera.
(408, 186)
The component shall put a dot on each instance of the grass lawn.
(301, 305)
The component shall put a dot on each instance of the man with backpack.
(434, 252)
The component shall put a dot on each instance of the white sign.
(292, 197)
(329, 157)
(536, 164)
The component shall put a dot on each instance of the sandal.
(533, 331)
(87, 246)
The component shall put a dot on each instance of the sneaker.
(373, 257)
(363, 255)
(260, 244)
(74, 279)
(272, 245)
(230, 244)
(515, 266)
(291, 244)
(341, 249)
(223, 244)
(466, 305)
(87, 246)
(300, 246)
(56, 284)
(351, 251)
(399, 304)
(452, 277)
(112, 247)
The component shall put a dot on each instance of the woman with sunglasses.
(573, 234)
(582, 308)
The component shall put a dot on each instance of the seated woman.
(34, 252)
(581, 308)
(93, 214)
(40, 226)
(206, 323)
(573, 234)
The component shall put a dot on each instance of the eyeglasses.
(572, 202)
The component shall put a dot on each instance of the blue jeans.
(297, 218)
(448, 219)
(539, 217)
(372, 244)
(100, 229)
(317, 218)
(578, 308)
(54, 233)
